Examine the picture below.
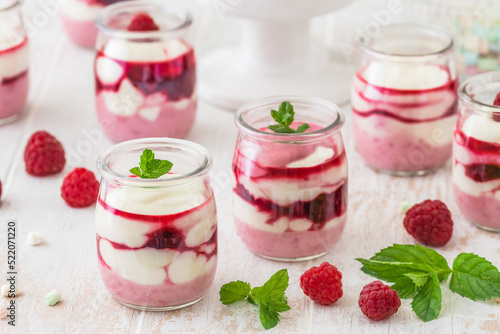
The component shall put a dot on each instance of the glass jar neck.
(115, 19)
(323, 117)
(407, 43)
(479, 92)
(191, 162)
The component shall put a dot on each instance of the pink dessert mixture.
(13, 88)
(402, 129)
(165, 105)
(477, 178)
(169, 234)
(309, 219)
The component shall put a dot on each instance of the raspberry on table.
(378, 301)
(429, 222)
(80, 188)
(323, 284)
(43, 155)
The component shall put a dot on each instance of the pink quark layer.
(483, 210)
(13, 95)
(383, 125)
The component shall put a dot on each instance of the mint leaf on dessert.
(427, 302)
(270, 298)
(475, 277)
(284, 116)
(151, 168)
(234, 291)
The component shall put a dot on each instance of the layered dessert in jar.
(156, 238)
(78, 18)
(145, 72)
(404, 100)
(14, 62)
(476, 151)
(290, 189)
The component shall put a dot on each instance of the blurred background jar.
(78, 18)
(14, 61)
(145, 71)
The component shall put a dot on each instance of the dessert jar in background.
(156, 238)
(404, 99)
(145, 71)
(290, 190)
(476, 151)
(14, 61)
(78, 18)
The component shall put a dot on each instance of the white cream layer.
(80, 10)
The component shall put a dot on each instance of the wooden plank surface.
(62, 102)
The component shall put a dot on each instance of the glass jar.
(145, 80)
(290, 190)
(78, 18)
(14, 61)
(476, 151)
(156, 238)
(404, 99)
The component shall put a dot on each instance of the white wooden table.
(62, 102)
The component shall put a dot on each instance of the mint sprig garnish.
(270, 298)
(284, 116)
(151, 168)
(416, 271)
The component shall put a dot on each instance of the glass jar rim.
(142, 6)
(466, 97)
(287, 137)
(12, 5)
(420, 57)
(106, 172)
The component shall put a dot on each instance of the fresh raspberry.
(322, 284)
(43, 155)
(80, 188)
(429, 222)
(378, 301)
(142, 22)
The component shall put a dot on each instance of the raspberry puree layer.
(476, 172)
(290, 200)
(404, 117)
(154, 97)
(158, 260)
(14, 78)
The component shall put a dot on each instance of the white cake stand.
(275, 56)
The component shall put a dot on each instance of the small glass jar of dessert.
(14, 61)
(476, 151)
(404, 99)
(78, 18)
(290, 177)
(145, 71)
(156, 223)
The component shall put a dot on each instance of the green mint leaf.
(393, 262)
(136, 171)
(405, 288)
(151, 168)
(274, 288)
(234, 291)
(475, 277)
(276, 116)
(302, 128)
(268, 317)
(286, 109)
(418, 278)
(278, 305)
(278, 128)
(427, 302)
